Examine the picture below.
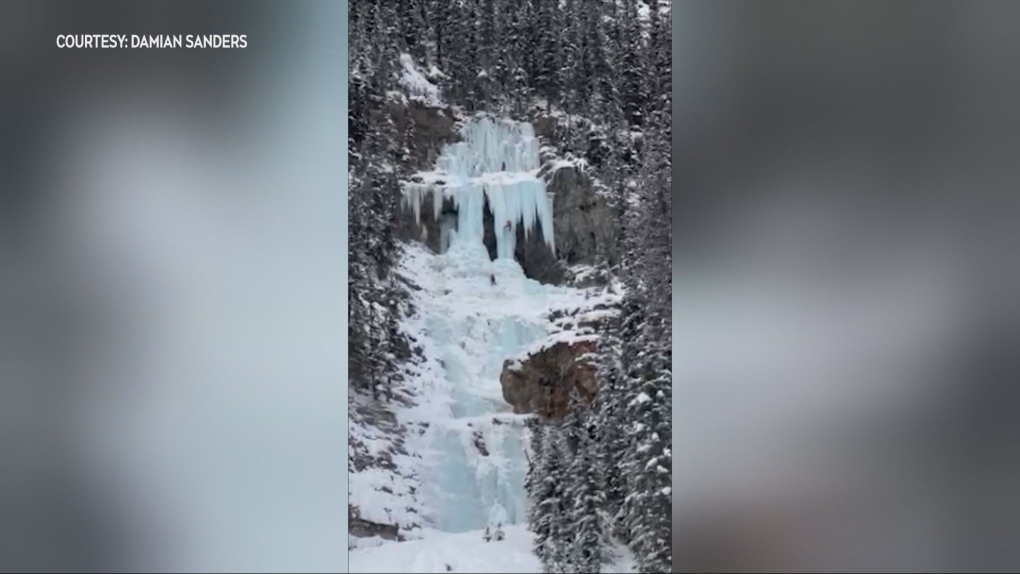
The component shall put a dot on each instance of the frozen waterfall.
(477, 464)
(476, 313)
(496, 163)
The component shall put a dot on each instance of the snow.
(435, 72)
(380, 495)
(417, 85)
(464, 552)
(644, 10)
(561, 163)
(497, 162)
(642, 398)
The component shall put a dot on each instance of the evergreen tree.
(587, 491)
(513, 57)
(660, 65)
(647, 354)
(630, 48)
(560, 449)
(648, 459)
(548, 61)
(491, 69)
(444, 14)
(545, 489)
(609, 419)
(376, 346)
(573, 81)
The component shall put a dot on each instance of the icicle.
(497, 161)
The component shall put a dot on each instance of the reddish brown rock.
(542, 383)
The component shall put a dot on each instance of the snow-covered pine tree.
(375, 346)
(545, 489)
(490, 27)
(511, 59)
(647, 462)
(413, 28)
(630, 50)
(561, 448)
(609, 419)
(603, 99)
(549, 27)
(443, 14)
(647, 354)
(587, 491)
(571, 73)
(660, 62)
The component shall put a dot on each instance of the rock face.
(581, 217)
(427, 128)
(366, 529)
(543, 381)
(428, 230)
(537, 259)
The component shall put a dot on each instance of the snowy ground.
(461, 552)
(451, 552)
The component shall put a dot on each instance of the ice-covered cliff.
(496, 164)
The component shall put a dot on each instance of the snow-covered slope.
(464, 552)
(451, 552)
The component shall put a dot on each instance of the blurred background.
(172, 239)
(846, 237)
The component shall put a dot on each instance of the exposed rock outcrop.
(362, 528)
(427, 129)
(429, 229)
(542, 382)
(537, 259)
(581, 217)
